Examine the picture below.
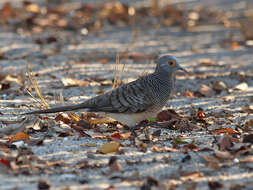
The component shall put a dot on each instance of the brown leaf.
(192, 147)
(208, 62)
(185, 176)
(163, 149)
(211, 161)
(62, 118)
(68, 82)
(114, 165)
(84, 124)
(247, 159)
(167, 115)
(224, 131)
(6, 10)
(206, 91)
(20, 136)
(125, 135)
(137, 56)
(242, 86)
(5, 162)
(227, 142)
(109, 147)
(248, 138)
(215, 184)
(225, 155)
(188, 93)
(201, 114)
(115, 135)
(5, 86)
(219, 86)
(43, 185)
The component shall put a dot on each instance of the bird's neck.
(164, 78)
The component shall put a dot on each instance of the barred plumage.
(134, 101)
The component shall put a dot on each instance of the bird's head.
(168, 64)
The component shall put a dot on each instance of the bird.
(132, 102)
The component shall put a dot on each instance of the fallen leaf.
(208, 62)
(89, 145)
(225, 155)
(62, 118)
(114, 165)
(188, 93)
(125, 135)
(137, 56)
(226, 142)
(84, 124)
(6, 10)
(247, 159)
(109, 147)
(115, 135)
(219, 86)
(185, 176)
(248, 138)
(43, 184)
(206, 91)
(192, 147)
(224, 131)
(5, 162)
(201, 114)
(167, 115)
(68, 82)
(242, 86)
(179, 141)
(215, 184)
(20, 136)
(163, 149)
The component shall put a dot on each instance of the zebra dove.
(135, 101)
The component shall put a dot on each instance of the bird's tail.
(57, 109)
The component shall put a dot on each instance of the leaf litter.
(169, 134)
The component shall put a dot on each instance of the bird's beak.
(182, 69)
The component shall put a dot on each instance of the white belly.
(130, 119)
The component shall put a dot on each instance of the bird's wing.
(133, 97)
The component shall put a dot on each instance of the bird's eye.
(171, 63)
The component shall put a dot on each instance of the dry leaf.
(20, 136)
(206, 91)
(109, 147)
(192, 147)
(208, 62)
(247, 159)
(223, 154)
(5, 162)
(167, 115)
(215, 184)
(185, 176)
(43, 184)
(248, 138)
(137, 56)
(74, 82)
(114, 165)
(188, 93)
(242, 86)
(227, 142)
(224, 131)
(163, 149)
(62, 118)
(219, 86)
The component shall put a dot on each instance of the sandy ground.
(232, 66)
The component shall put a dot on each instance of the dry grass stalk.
(34, 83)
(124, 54)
